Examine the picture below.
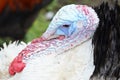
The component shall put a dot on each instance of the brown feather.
(2, 5)
(21, 5)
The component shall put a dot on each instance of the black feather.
(106, 41)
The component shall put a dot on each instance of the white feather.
(7, 54)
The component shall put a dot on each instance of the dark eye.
(66, 25)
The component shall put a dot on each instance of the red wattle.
(11, 70)
(16, 66)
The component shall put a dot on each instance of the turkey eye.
(66, 25)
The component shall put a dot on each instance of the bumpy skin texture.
(66, 16)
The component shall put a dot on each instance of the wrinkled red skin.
(16, 66)
(61, 37)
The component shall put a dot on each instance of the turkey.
(101, 51)
(63, 52)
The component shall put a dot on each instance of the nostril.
(66, 25)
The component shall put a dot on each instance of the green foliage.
(5, 40)
(41, 23)
(38, 27)
(53, 5)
